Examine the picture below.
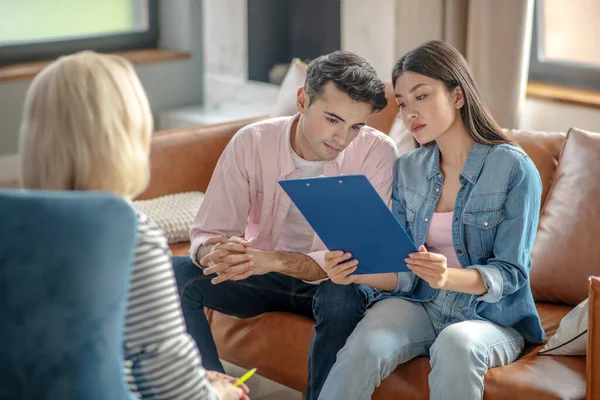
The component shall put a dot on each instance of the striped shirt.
(161, 359)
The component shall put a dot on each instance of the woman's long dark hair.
(441, 61)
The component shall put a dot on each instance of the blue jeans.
(395, 330)
(336, 310)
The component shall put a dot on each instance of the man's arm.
(226, 205)
(298, 265)
(262, 262)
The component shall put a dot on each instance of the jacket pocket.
(480, 230)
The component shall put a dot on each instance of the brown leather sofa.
(563, 259)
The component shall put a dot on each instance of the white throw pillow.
(173, 213)
(293, 80)
(572, 335)
(401, 136)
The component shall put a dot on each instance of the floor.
(262, 388)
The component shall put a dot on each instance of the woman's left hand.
(431, 267)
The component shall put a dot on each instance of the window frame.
(553, 71)
(40, 51)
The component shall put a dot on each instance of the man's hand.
(338, 270)
(226, 256)
(431, 267)
(259, 262)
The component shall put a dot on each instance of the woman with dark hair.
(471, 199)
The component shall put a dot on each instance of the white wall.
(169, 84)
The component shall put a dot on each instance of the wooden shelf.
(564, 94)
(17, 72)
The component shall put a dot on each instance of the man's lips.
(332, 148)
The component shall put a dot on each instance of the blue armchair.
(65, 261)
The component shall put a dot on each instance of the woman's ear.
(459, 98)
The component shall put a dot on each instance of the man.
(278, 264)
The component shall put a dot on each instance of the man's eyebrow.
(335, 116)
(342, 119)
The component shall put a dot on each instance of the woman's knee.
(456, 345)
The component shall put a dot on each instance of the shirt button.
(485, 224)
(437, 190)
(426, 219)
(455, 219)
(459, 251)
(440, 176)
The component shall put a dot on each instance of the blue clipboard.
(347, 214)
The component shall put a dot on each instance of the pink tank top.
(439, 237)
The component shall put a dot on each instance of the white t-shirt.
(296, 233)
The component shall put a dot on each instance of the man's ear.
(302, 100)
(459, 98)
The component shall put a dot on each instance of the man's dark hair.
(350, 73)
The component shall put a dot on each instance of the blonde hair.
(87, 125)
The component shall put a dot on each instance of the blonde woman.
(87, 126)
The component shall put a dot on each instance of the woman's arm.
(161, 359)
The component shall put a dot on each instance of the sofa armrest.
(183, 160)
(593, 352)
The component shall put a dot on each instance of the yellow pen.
(245, 377)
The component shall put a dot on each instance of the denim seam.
(512, 172)
(312, 358)
(486, 194)
(192, 280)
(394, 354)
(412, 191)
(487, 349)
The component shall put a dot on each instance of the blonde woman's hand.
(224, 385)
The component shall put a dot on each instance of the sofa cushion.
(266, 340)
(566, 250)
(65, 261)
(288, 92)
(401, 136)
(174, 213)
(571, 339)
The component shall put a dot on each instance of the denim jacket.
(494, 226)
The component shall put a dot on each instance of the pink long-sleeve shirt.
(244, 198)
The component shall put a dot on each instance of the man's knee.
(185, 271)
(339, 300)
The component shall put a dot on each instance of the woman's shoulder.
(418, 156)
(148, 232)
(510, 158)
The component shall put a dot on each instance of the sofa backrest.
(544, 150)
(183, 160)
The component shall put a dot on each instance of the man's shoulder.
(263, 129)
(371, 138)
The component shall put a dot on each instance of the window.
(41, 29)
(564, 47)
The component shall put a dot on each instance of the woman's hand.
(224, 385)
(431, 267)
(338, 270)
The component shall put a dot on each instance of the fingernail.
(407, 259)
